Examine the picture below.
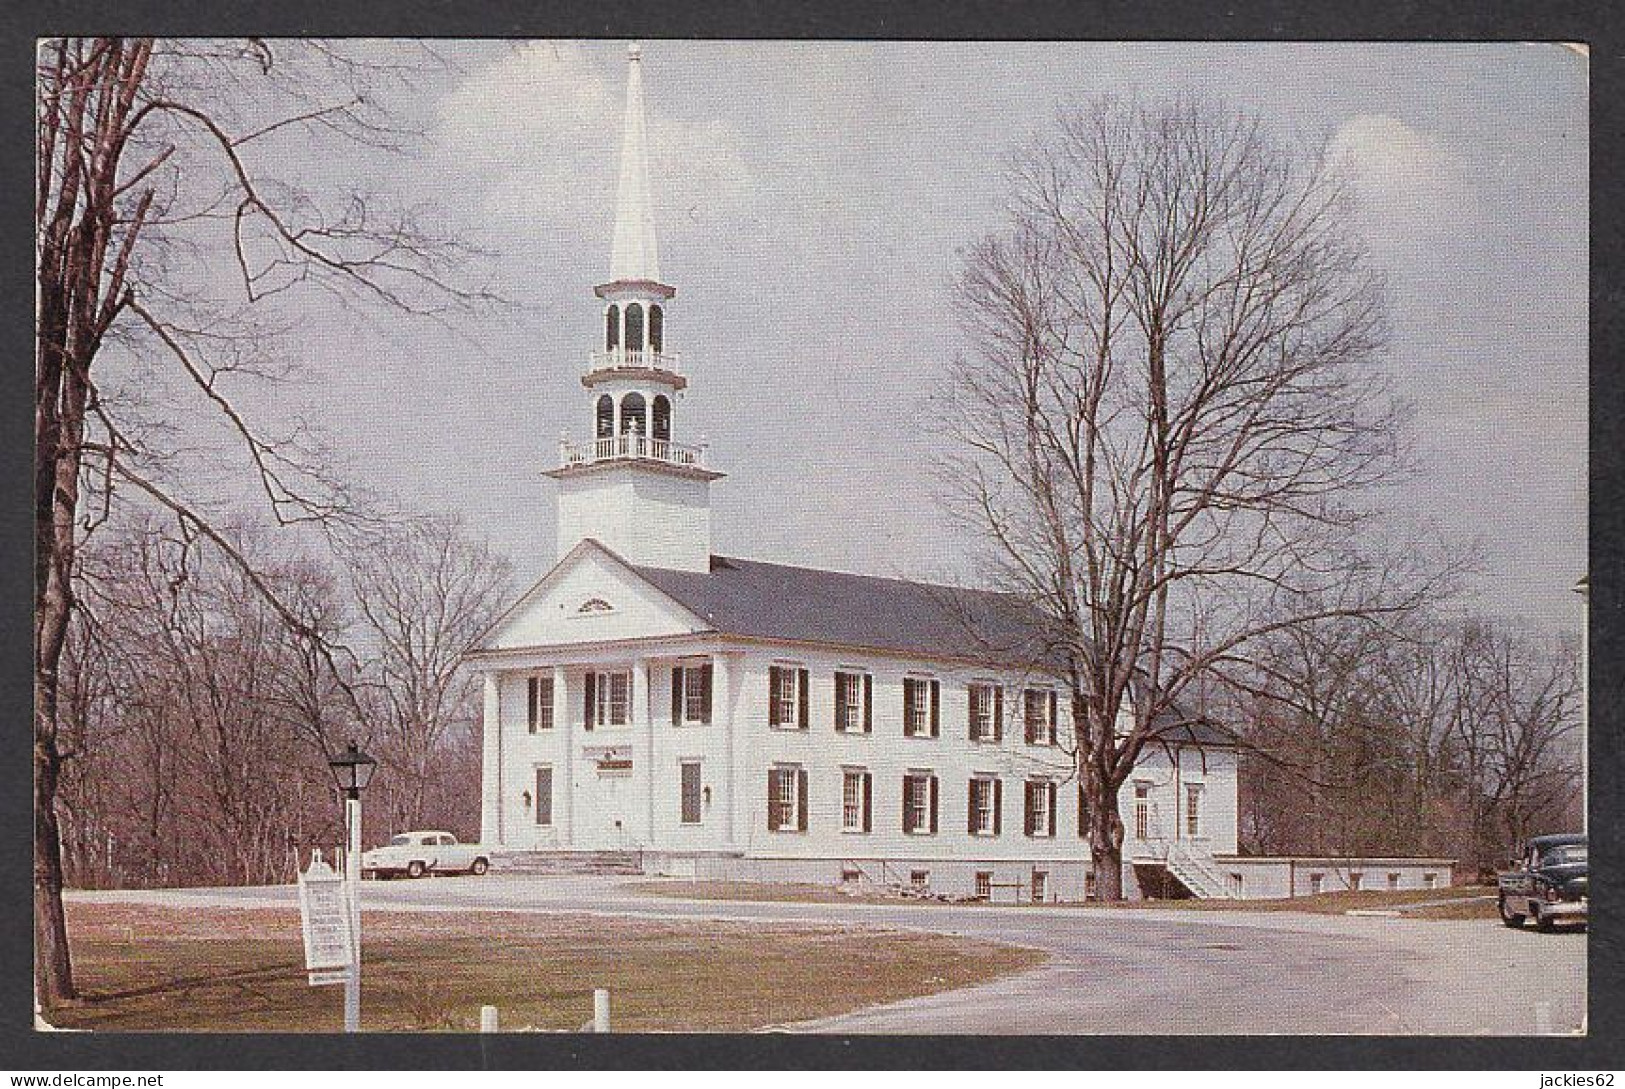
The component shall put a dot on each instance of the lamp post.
(352, 770)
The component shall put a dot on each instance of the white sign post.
(328, 920)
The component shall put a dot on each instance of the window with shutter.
(1040, 807)
(854, 800)
(608, 699)
(918, 808)
(981, 815)
(849, 702)
(783, 696)
(785, 793)
(1038, 708)
(918, 707)
(982, 703)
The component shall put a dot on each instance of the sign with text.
(324, 913)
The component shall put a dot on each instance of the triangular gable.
(590, 596)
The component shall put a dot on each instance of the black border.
(1598, 24)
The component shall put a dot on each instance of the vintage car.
(1549, 884)
(417, 854)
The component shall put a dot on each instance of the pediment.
(591, 596)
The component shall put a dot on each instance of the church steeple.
(634, 486)
(635, 255)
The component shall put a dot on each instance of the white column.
(491, 764)
(564, 791)
(643, 724)
(722, 717)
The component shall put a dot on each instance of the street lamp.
(352, 770)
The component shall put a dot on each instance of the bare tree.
(158, 170)
(1171, 416)
(425, 596)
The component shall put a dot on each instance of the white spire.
(635, 256)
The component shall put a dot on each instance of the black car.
(1549, 884)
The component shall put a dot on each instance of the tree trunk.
(53, 967)
(1106, 851)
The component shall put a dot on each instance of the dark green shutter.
(1083, 813)
(1049, 794)
(907, 786)
(998, 712)
(908, 706)
(801, 713)
(676, 695)
(1054, 717)
(868, 703)
(772, 825)
(706, 673)
(801, 800)
(970, 808)
(936, 719)
(998, 806)
(841, 722)
(868, 801)
(933, 805)
(772, 696)
(530, 696)
(589, 700)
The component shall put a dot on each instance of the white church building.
(728, 718)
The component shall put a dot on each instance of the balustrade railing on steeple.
(641, 359)
(633, 445)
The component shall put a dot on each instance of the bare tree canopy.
(169, 219)
(1173, 414)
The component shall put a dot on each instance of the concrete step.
(567, 862)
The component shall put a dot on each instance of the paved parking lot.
(1121, 970)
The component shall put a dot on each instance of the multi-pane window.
(539, 703)
(1040, 807)
(1040, 886)
(920, 803)
(1430, 880)
(787, 697)
(854, 700)
(1316, 880)
(1038, 712)
(983, 816)
(787, 799)
(984, 884)
(857, 796)
(1237, 886)
(1354, 880)
(691, 788)
(1393, 881)
(691, 693)
(1193, 809)
(608, 699)
(1142, 810)
(544, 796)
(920, 718)
(986, 702)
(920, 879)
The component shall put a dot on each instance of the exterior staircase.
(553, 863)
(1195, 873)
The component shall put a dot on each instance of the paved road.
(1117, 970)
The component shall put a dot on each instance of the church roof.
(807, 605)
(780, 602)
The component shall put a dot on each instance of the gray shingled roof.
(803, 604)
(807, 605)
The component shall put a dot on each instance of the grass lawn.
(215, 969)
(1326, 903)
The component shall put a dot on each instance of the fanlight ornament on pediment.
(594, 605)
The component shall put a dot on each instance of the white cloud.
(535, 137)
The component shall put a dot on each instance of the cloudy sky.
(812, 199)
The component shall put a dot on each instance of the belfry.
(632, 486)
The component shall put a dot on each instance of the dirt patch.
(146, 968)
